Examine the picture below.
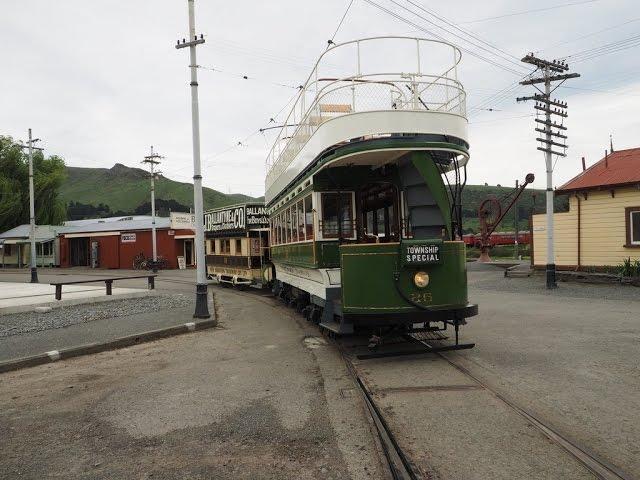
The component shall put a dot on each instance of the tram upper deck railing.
(387, 74)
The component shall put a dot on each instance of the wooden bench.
(107, 281)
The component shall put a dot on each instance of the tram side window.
(300, 221)
(308, 217)
(293, 214)
(279, 229)
(337, 215)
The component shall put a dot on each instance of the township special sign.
(236, 219)
(421, 254)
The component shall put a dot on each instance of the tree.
(48, 173)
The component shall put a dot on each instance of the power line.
(501, 55)
(504, 119)
(330, 42)
(564, 42)
(440, 37)
(528, 11)
(606, 49)
(246, 77)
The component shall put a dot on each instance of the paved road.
(569, 356)
(252, 399)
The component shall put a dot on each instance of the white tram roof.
(369, 88)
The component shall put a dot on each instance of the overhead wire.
(618, 45)
(245, 77)
(526, 12)
(501, 55)
(582, 37)
(333, 37)
(440, 37)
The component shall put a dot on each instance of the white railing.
(436, 89)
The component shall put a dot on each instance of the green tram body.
(363, 277)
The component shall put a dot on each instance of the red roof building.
(602, 227)
(616, 169)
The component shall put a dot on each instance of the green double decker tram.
(364, 191)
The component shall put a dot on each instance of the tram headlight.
(421, 279)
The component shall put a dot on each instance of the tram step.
(338, 328)
(429, 336)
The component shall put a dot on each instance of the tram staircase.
(425, 217)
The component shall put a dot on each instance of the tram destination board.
(236, 219)
(421, 253)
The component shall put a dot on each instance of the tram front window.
(378, 211)
(337, 215)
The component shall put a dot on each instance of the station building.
(602, 226)
(115, 242)
(103, 243)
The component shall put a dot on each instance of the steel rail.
(599, 467)
(400, 466)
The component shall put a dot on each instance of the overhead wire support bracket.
(194, 42)
(552, 152)
(554, 65)
(551, 142)
(551, 132)
(550, 124)
(552, 78)
(544, 99)
(550, 111)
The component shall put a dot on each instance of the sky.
(100, 82)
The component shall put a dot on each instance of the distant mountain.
(125, 189)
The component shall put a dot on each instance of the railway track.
(400, 465)
(601, 469)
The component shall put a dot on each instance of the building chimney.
(606, 159)
(611, 142)
(584, 165)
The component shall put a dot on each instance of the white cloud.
(100, 81)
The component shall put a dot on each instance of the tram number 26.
(421, 297)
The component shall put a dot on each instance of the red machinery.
(490, 214)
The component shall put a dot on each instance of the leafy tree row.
(49, 173)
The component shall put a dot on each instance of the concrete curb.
(122, 342)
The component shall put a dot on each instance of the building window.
(633, 226)
(7, 250)
(337, 215)
(44, 249)
(225, 247)
(238, 246)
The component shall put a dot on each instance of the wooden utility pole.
(153, 159)
(551, 71)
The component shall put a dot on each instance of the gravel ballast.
(27, 322)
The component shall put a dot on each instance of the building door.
(79, 252)
(188, 252)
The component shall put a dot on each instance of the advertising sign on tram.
(236, 219)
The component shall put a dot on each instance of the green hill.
(123, 189)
